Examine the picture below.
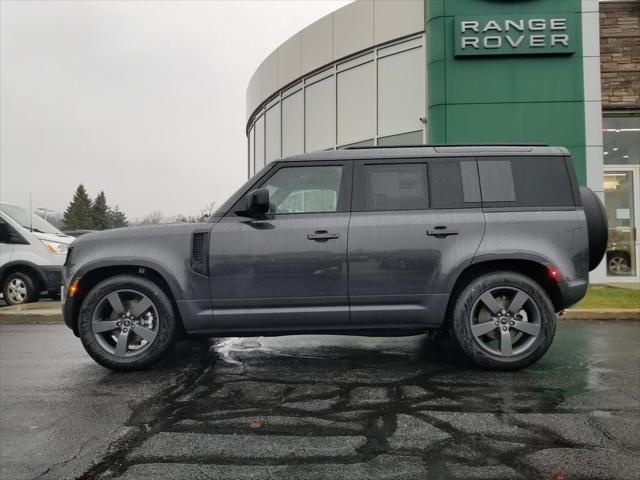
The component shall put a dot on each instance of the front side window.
(304, 189)
(395, 186)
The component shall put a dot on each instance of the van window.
(31, 222)
(525, 182)
(397, 186)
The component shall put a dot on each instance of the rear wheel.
(19, 288)
(127, 323)
(618, 263)
(504, 321)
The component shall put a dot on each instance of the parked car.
(32, 252)
(486, 242)
(618, 255)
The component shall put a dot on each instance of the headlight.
(56, 248)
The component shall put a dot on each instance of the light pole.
(44, 210)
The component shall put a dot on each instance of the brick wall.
(620, 54)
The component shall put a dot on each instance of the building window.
(356, 104)
(320, 115)
(364, 143)
(293, 124)
(259, 143)
(401, 88)
(252, 152)
(373, 98)
(272, 133)
(621, 137)
(621, 149)
(411, 138)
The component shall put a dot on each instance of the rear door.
(415, 223)
(287, 270)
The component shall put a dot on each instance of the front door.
(622, 203)
(287, 270)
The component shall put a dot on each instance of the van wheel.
(127, 323)
(19, 288)
(504, 321)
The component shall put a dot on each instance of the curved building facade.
(385, 72)
(356, 76)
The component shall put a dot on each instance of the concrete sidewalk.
(51, 312)
(39, 312)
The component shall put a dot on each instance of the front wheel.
(127, 323)
(504, 321)
(19, 288)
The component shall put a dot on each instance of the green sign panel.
(515, 35)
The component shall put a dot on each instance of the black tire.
(98, 345)
(597, 226)
(618, 263)
(26, 283)
(537, 312)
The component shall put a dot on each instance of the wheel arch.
(91, 275)
(535, 269)
(622, 253)
(28, 268)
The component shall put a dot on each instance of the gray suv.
(485, 242)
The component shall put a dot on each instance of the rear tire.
(19, 288)
(504, 321)
(127, 323)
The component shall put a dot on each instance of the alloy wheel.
(618, 265)
(125, 323)
(17, 290)
(505, 321)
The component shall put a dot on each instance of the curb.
(30, 319)
(600, 314)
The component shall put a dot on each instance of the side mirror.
(257, 203)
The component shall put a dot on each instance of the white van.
(32, 252)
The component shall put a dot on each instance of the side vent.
(200, 253)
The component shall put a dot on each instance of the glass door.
(622, 204)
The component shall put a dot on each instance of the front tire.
(127, 323)
(19, 288)
(504, 321)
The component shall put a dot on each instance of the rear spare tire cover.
(597, 226)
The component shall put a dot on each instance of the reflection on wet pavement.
(407, 407)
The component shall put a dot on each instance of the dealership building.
(400, 72)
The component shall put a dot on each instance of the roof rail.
(440, 145)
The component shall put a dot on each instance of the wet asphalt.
(321, 407)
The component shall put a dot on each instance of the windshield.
(20, 216)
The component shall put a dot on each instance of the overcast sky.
(142, 99)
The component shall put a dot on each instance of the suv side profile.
(488, 242)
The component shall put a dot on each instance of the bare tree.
(152, 218)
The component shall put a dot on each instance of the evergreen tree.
(100, 213)
(117, 218)
(78, 216)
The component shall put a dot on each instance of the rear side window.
(525, 182)
(453, 183)
(397, 186)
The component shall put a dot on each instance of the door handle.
(441, 231)
(320, 235)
